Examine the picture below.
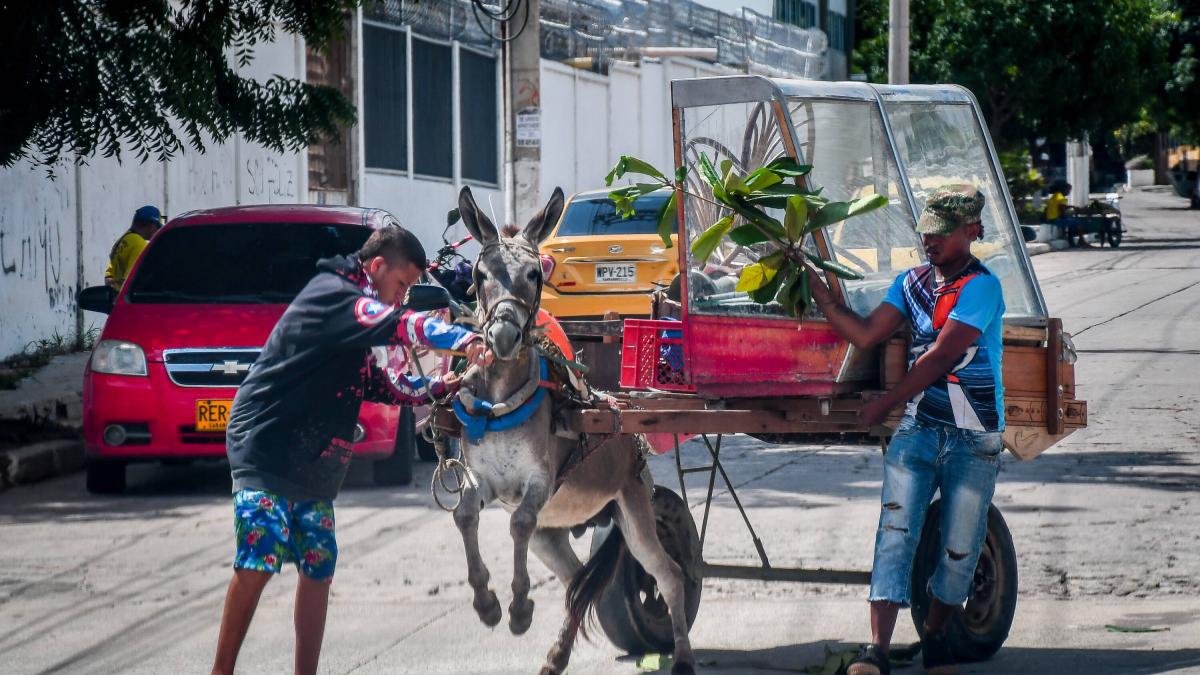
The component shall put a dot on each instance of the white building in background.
(430, 122)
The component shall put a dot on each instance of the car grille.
(209, 367)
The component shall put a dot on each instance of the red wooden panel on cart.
(738, 356)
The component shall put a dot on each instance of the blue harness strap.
(480, 421)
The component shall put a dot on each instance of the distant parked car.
(188, 325)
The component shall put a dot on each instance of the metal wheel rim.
(985, 603)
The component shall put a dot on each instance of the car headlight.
(117, 357)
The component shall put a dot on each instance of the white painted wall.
(47, 225)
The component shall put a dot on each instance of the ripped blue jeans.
(921, 458)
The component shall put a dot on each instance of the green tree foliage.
(94, 75)
(1182, 88)
(1039, 69)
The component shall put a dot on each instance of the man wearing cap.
(146, 221)
(949, 437)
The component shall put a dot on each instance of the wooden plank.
(1025, 443)
(706, 422)
(1032, 412)
(1024, 334)
(594, 328)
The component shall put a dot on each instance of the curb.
(1038, 248)
(39, 461)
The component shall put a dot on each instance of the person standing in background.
(128, 248)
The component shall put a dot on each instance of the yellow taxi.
(596, 262)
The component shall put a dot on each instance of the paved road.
(1107, 526)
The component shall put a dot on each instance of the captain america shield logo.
(370, 312)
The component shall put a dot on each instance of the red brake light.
(547, 266)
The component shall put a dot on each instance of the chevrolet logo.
(616, 248)
(231, 368)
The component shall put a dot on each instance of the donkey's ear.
(541, 225)
(476, 222)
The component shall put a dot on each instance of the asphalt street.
(1106, 525)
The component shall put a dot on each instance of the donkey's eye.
(532, 275)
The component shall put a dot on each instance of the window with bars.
(385, 98)
(796, 12)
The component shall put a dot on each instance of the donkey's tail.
(585, 589)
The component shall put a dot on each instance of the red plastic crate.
(652, 356)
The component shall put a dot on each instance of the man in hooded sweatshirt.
(290, 428)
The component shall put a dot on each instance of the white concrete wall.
(48, 225)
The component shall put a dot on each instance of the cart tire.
(1114, 236)
(396, 470)
(976, 632)
(631, 611)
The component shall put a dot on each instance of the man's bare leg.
(312, 603)
(939, 613)
(241, 600)
(883, 623)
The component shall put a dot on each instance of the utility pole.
(898, 42)
(522, 115)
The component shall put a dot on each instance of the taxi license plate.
(616, 273)
(212, 414)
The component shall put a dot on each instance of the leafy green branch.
(779, 275)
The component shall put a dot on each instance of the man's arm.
(861, 333)
(951, 344)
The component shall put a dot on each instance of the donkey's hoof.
(549, 670)
(520, 617)
(683, 669)
(489, 610)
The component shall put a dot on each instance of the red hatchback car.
(188, 325)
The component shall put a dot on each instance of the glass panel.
(479, 116)
(385, 104)
(747, 135)
(846, 144)
(942, 143)
(598, 216)
(433, 152)
(259, 263)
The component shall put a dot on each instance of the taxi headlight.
(117, 357)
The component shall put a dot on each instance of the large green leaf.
(767, 293)
(795, 217)
(627, 164)
(666, 221)
(747, 235)
(834, 212)
(710, 175)
(757, 217)
(776, 196)
(730, 180)
(836, 267)
(760, 179)
(708, 240)
(784, 165)
(760, 273)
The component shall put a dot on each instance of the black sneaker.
(872, 661)
(936, 654)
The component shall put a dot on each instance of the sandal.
(872, 661)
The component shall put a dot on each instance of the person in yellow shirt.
(146, 221)
(1056, 206)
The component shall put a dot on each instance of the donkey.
(520, 467)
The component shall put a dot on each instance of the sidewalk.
(41, 421)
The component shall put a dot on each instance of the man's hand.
(451, 380)
(874, 412)
(479, 355)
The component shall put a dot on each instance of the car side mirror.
(426, 298)
(97, 299)
(1029, 233)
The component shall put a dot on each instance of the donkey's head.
(508, 274)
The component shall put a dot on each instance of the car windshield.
(247, 263)
(598, 216)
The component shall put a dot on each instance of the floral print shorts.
(271, 530)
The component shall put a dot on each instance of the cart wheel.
(1114, 236)
(976, 632)
(632, 612)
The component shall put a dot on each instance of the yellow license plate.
(212, 414)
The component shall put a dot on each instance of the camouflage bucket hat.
(949, 207)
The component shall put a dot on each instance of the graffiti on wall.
(35, 252)
(269, 181)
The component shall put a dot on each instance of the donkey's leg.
(635, 517)
(554, 548)
(466, 517)
(521, 527)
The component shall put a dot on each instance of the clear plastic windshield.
(942, 143)
(845, 142)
